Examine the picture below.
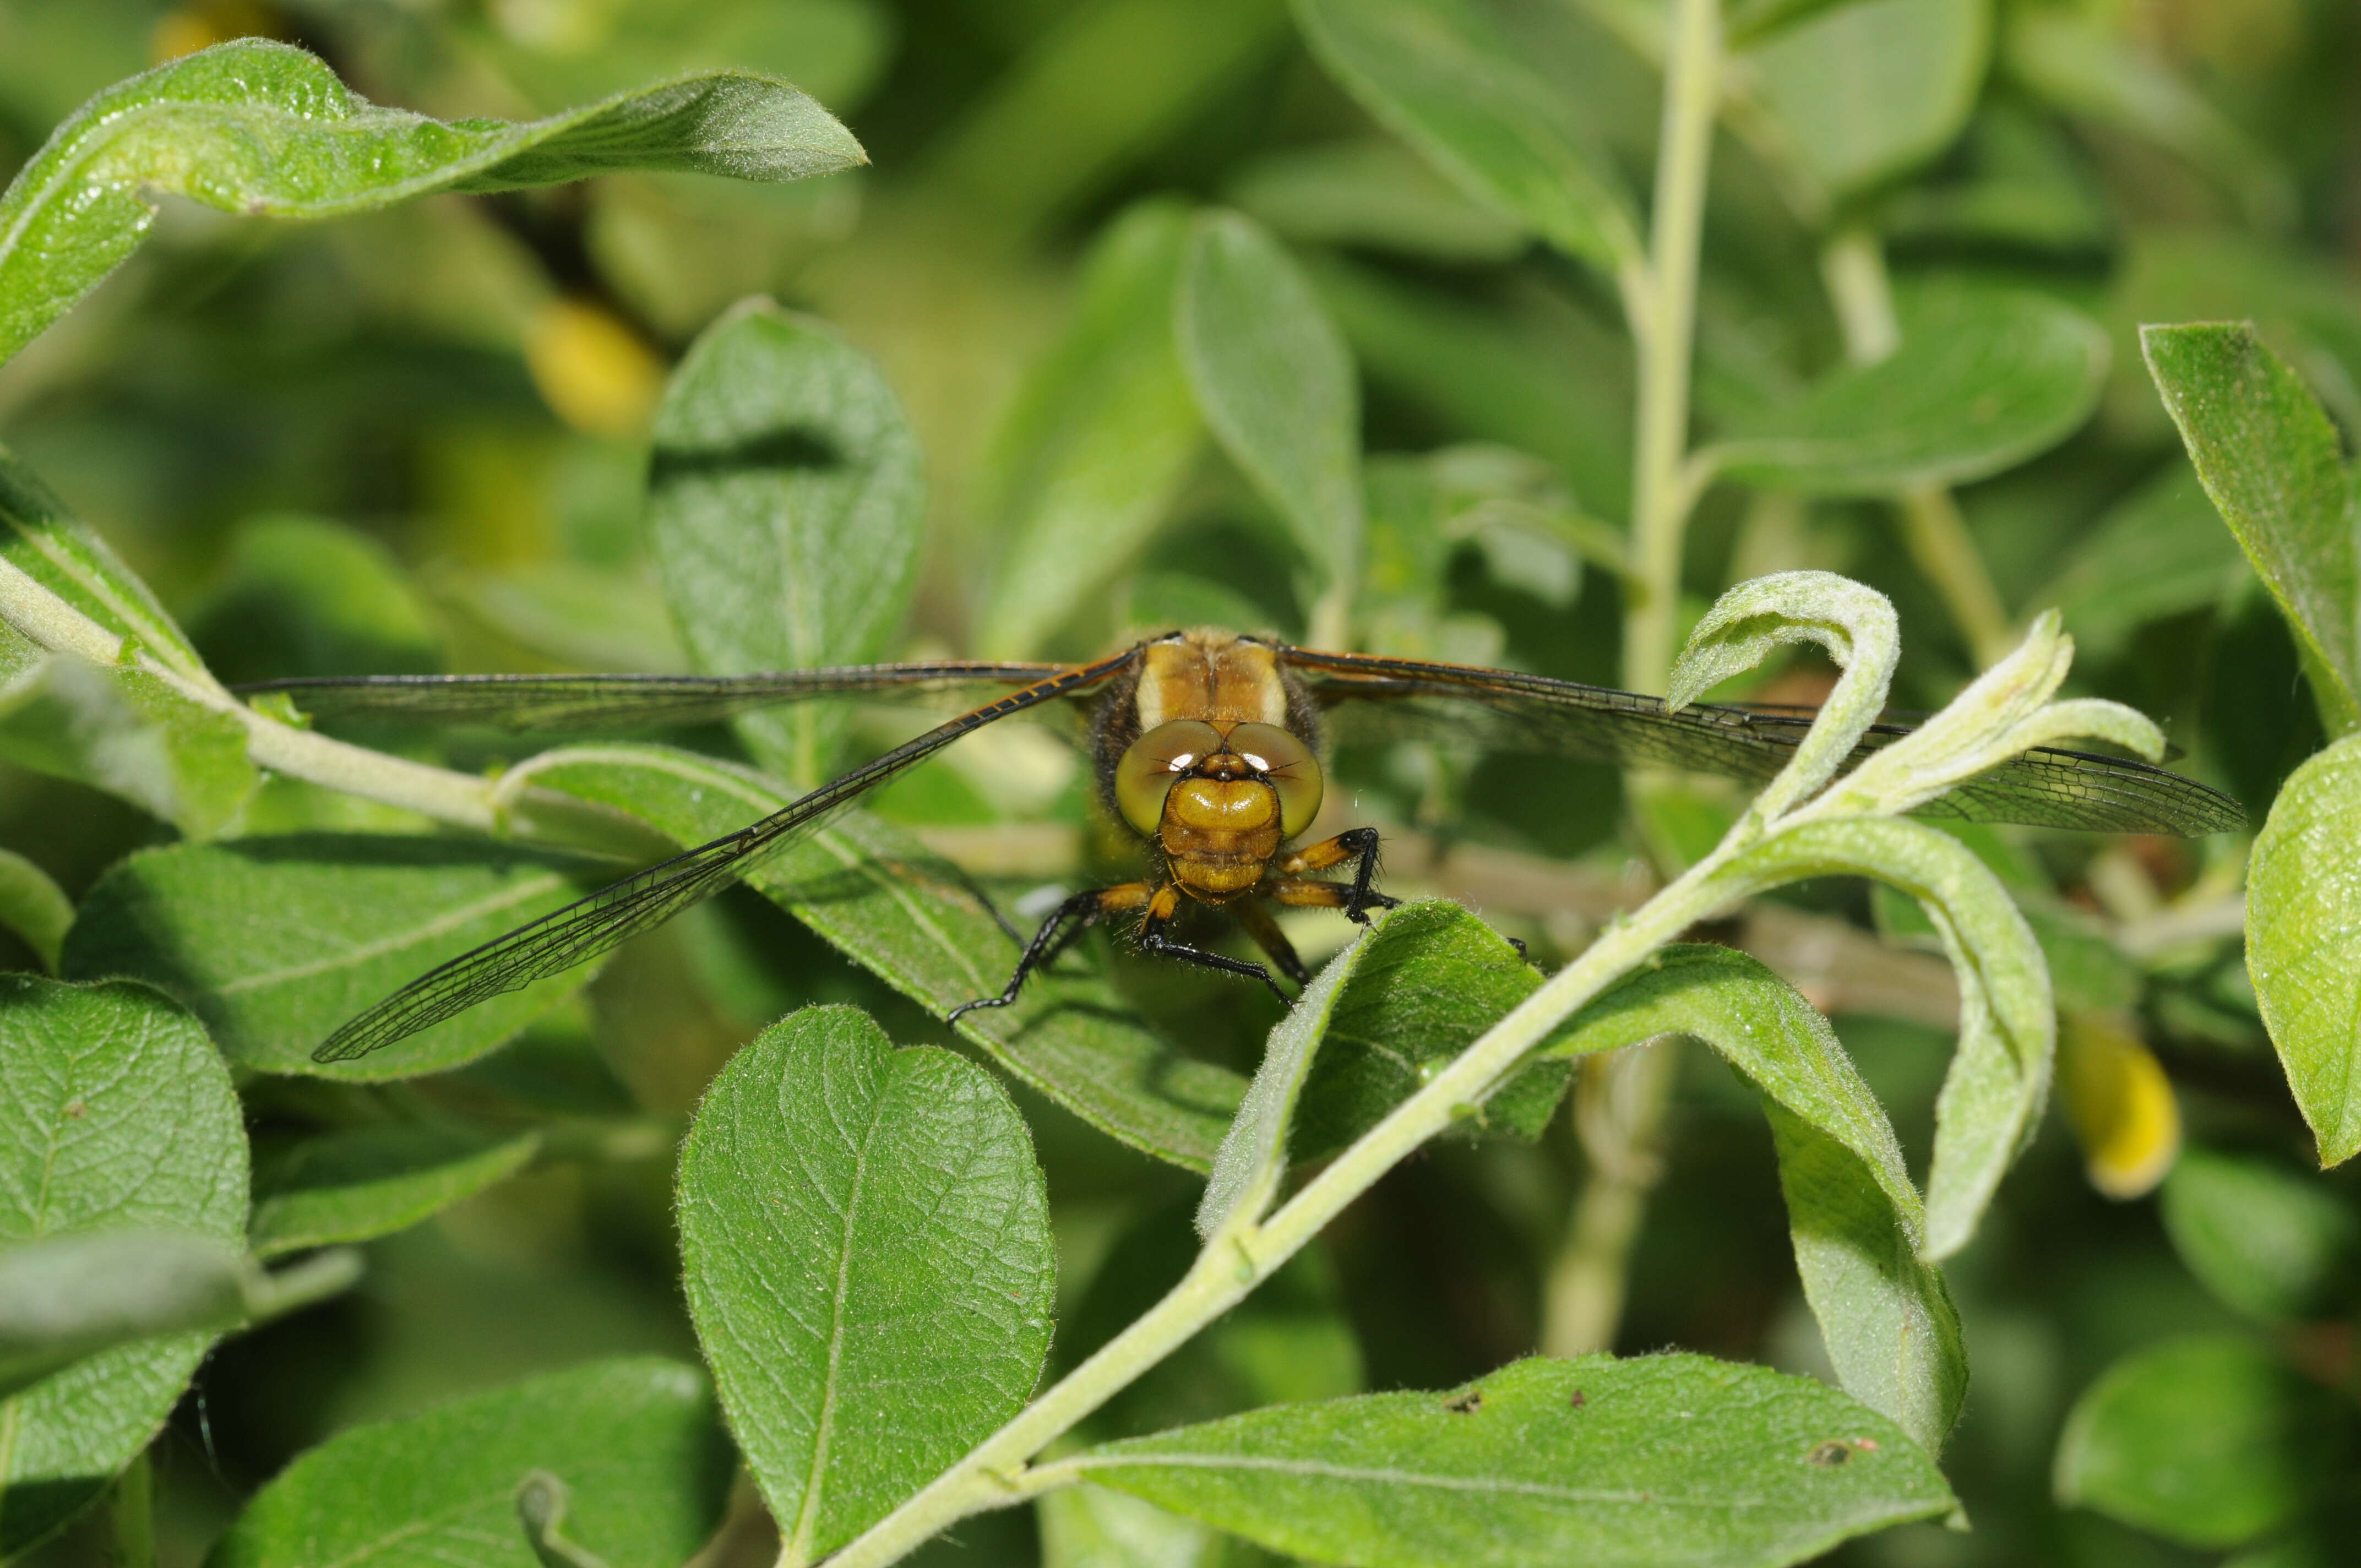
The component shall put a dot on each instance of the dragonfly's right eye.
(1150, 765)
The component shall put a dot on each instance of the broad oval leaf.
(913, 920)
(264, 129)
(2276, 1244)
(115, 1114)
(866, 1238)
(2210, 1441)
(1100, 439)
(1606, 1462)
(633, 1439)
(365, 1182)
(785, 506)
(1865, 91)
(1439, 74)
(2303, 942)
(1983, 379)
(276, 941)
(64, 1297)
(1276, 384)
(2269, 458)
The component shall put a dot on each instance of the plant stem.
(1664, 326)
(1244, 1253)
(1853, 267)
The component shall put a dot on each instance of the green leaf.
(130, 733)
(365, 1182)
(1374, 193)
(1865, 92)
(2276, 1244)
(67, 1296)
(2000, 1073)
(785, 506)
(875, 894)
(1983, 379)
(261, 129)
(1089, 1526)
(2304, 943)
(1103, 433)
(1275, 382)
(305, 597)
(2269, 458)
(34, 907)
(1856, 1221)
(40, 538)
(114, 1116)
(633, 1438)
(276, 941)
(2160, 552)
(1661, 1459)
(1441, 75)
(851, 1215)
(2208, 1441)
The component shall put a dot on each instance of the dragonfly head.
(1221, 777)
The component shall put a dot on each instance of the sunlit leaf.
(2303, 942)
(1662, 1459)
(115, 1114)
(259, 128)
(130, 733)
(851, 1215)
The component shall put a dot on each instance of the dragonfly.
(1207, 744)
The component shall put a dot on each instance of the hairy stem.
(1853, 265)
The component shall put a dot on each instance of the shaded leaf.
(365, 1182)
(1101, 436)
(276, 941)
(302, 596)
(40, 538)
(2275, 1243)
(2269, 458)
(2303, 942)
(2210, 1441)
(1982, 380)
(1662, 1459)
(262, 129)
(128, 732)
(114, 1116)
(34, 907)
(635, 1440)
(1441, 76)
(1866, 90)
(906, 915)
(849, 1215)
(785, 506)
(1275, 383)
(2160, 552)
(66, 1296)
(1089, 1526)
(1374, 193)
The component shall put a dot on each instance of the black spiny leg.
(1068, 920)
(1152, 938)
(1356, 844)
(1273, 941)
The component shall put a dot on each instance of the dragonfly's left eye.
(1150, 764)
(1293, 772)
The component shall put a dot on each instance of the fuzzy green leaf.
(65, 1297)
(1982, 380)
(2303, 942)
(365, 1182)
(259, 128)
(785, 506)
(2275, 1243)
(1441, 75)
(1662, 1459)
(1275, 382)
(1101, 437)
(2269, 456)
(866, 1238)
(115, 1114)
(633, 1439)
(899, 911)
(2208, 1441)
(1869, 90)
(40, 538)
(128, 732)
(276, 941)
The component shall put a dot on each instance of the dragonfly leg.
(1307, 893)
(1273, 941)
(1069, 919)
(1358, 845)
(1160, 910)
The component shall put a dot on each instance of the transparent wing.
(590, 926)
(1367, 698)
(578, 703)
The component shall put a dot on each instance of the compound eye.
(1150, 765)
(1291, 766)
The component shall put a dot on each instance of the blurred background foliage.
(417, 441)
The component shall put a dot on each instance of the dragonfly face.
(1209, 745)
